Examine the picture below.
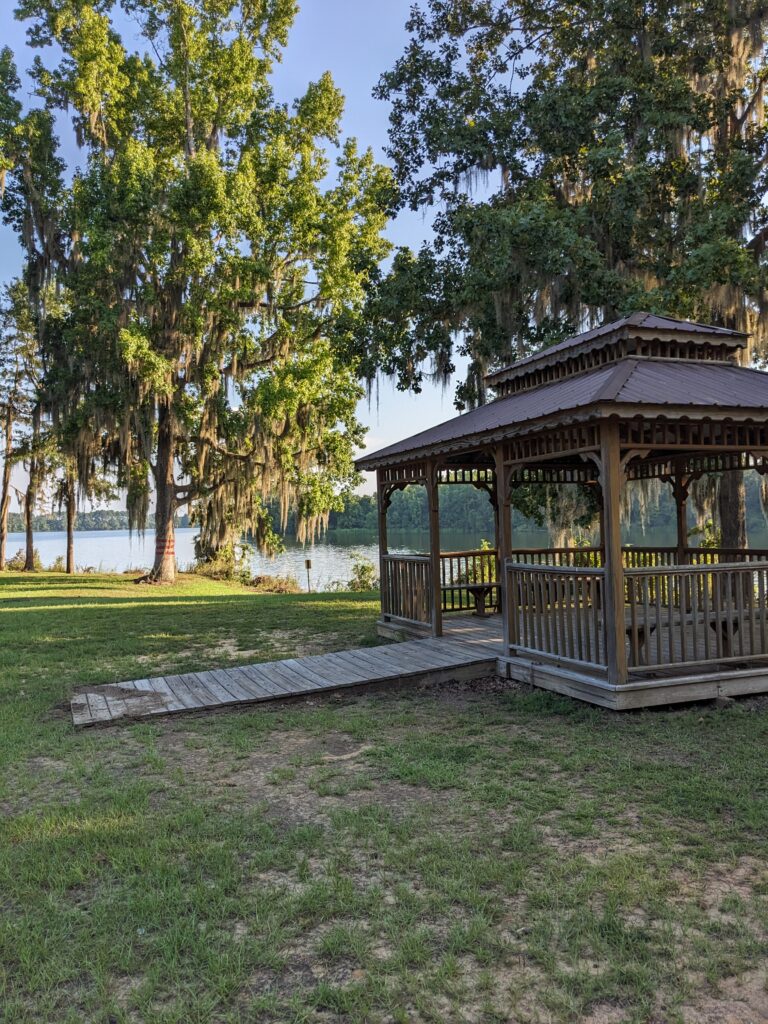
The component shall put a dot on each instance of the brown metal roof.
(630, 381)
(640, 323)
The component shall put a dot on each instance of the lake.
(331, 557)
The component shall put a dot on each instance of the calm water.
(117, 551)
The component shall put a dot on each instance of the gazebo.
(641, 398)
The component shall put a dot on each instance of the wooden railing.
(714, 556)
(588, 557)
(462, 570)
(556, 610)
(696, 614)
(585, 557)
(636, 557)
(406, 588)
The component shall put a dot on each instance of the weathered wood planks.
(277, 680)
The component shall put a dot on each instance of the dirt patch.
(612, 839)
(230, 649)
(739, 1000)
(720, 881)
(606, 1013)
(473, 691)
(46, 765)
(123, 989)
(285, 774)
(299, 643)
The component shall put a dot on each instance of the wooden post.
(434, 546)
(383, 504)
(503, 544)
(680, 493)
(613, 607)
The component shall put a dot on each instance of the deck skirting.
(639, 693)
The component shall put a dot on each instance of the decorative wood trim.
(475, 475)
(659, 432)
(551, 474)
(698, 463)
(566, 440)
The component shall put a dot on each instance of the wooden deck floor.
(469, 649)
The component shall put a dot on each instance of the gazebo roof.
(636, 327)
(631, 384)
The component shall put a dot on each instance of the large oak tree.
(212, 257)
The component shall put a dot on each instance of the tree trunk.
(5, 488)
(732, 509)
(33, 487)
(71, 512)
(164, 569)
(30, 500)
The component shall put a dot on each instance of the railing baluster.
(740, 623)
(751, 612)
(729, 611)
(683, 603)
(694, 595)
(634, 650)
(706, 591)
(527, 609)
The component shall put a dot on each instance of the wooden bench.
(480, 594)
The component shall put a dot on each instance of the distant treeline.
(462, 508)
(99, 519)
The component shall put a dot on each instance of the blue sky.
(355, 40)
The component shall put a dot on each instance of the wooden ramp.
(410, 661)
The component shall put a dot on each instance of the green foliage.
(214, 258)
(586, 160)
(97, 519)
(708, 535)
(274, 584)
(16, 562)
(230, 562)
(364, 576)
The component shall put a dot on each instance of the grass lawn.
(475, 853)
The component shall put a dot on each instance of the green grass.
(456, 853)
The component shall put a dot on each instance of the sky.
(356, 40)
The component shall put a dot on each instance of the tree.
(211, 268)
(627, 145)
(19, 408)
(31, 189)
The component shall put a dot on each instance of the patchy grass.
(473, 853)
